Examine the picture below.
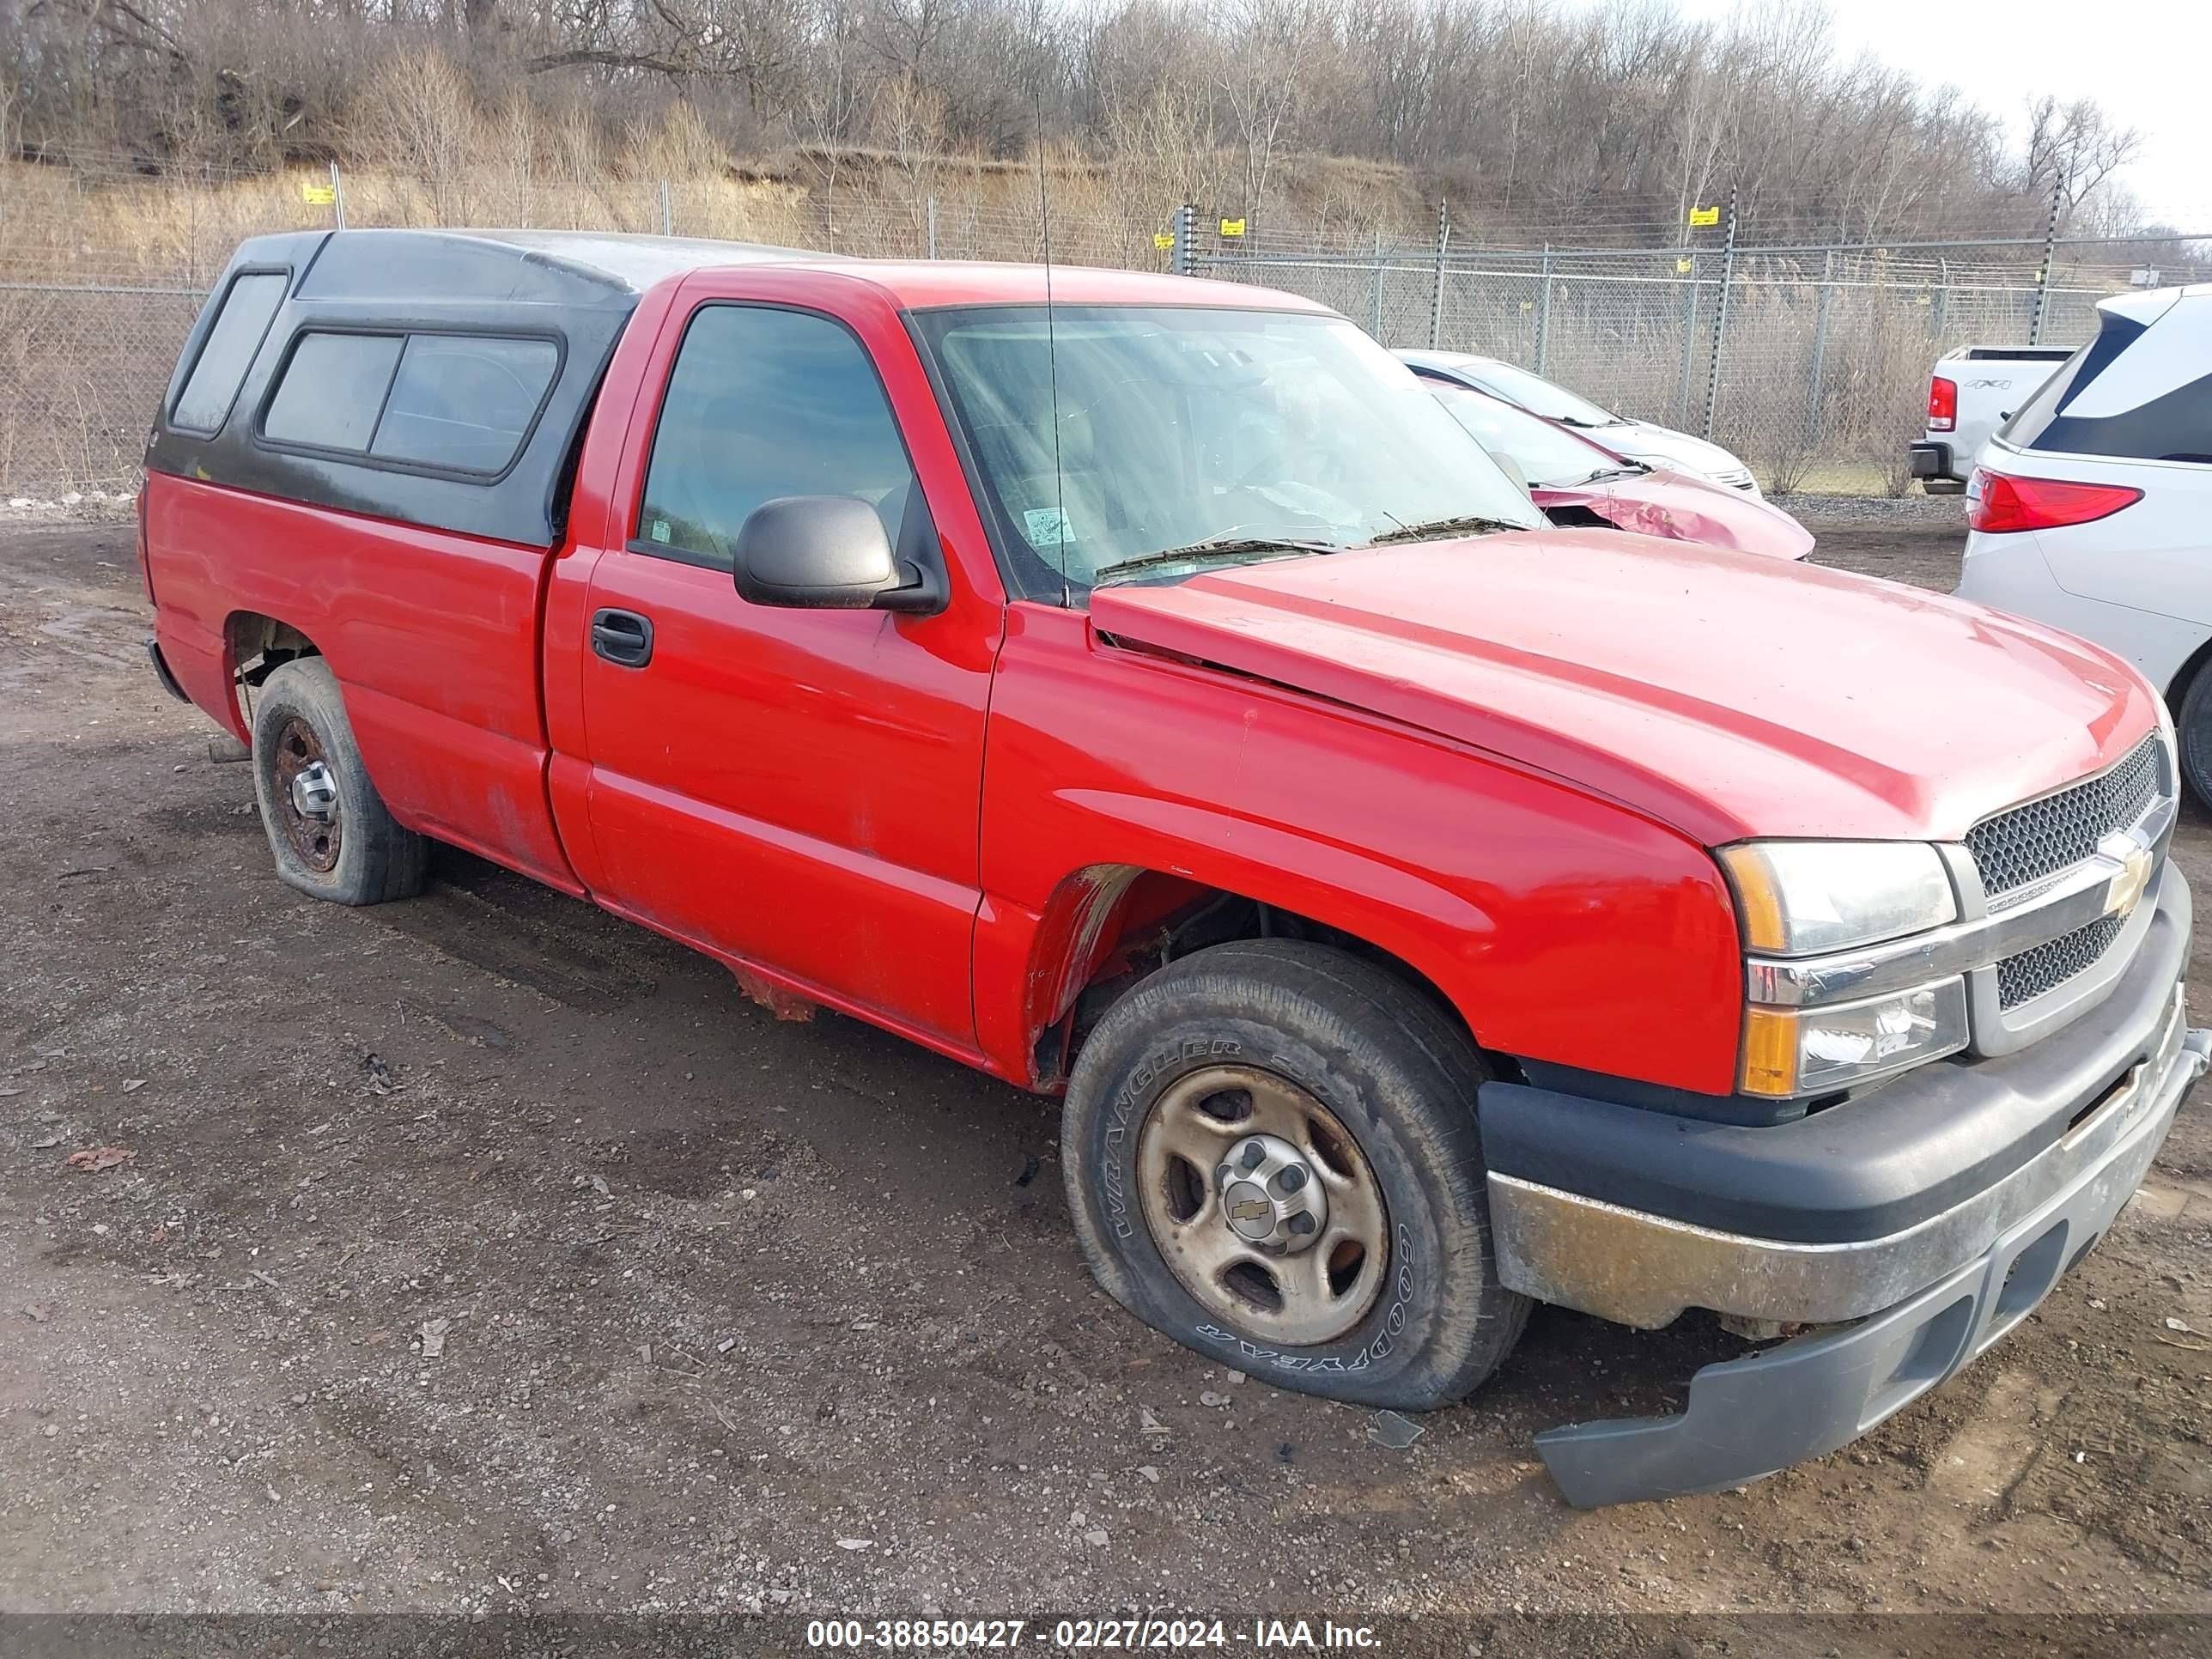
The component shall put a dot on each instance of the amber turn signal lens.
(1770, 1052)
(1812, 1051)
(1765, 927)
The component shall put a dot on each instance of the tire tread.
(382, 860)
(1338, 1000)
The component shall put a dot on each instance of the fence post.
(2050, 258)
(667, 211)
(1375, 328)
(1186, 229)
(1436, 297)
(338, 197)
(1720, 319)
(933, 227)
(1544, 311)
(1814, 407)
(1943, 318)
(1689, 343)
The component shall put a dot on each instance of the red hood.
(1685, 509)
(1725, 695)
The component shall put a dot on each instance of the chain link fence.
(1810, 362)
(104, 267)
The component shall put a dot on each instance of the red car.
(1143, 690)
(1578, 482)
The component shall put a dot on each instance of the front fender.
(1050, 954)
(1563, 927)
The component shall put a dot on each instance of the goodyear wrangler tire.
(1272, 1157)
(328, 828)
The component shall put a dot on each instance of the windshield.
(1548, 457)
(1271, 434)
(1537, 395)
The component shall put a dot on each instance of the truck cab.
(1142, 690)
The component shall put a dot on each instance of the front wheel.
(1272, 1157)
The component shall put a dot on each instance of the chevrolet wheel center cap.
(1271, 1196)
(1249, 1212)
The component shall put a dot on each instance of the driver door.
(796, 790)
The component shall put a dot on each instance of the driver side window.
(765, 403)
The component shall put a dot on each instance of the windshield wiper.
(1628, 469)
(1222, 547)
(1436, 527)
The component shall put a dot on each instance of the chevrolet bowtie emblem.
(2127, 889)
(1250, 1210)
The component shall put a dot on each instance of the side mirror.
(826, 553)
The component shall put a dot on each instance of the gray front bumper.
(1748, 1417)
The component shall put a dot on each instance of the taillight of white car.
(1999, 502)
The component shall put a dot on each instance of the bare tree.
(832, 93)
(426, 126)
(908, 122)
(1262, 62)
(2072, 150)
(1613, 118)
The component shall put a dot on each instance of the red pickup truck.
(1143, 690)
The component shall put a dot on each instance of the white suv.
(2092, 508)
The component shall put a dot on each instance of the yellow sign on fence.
(319, 195)
(1710, 216)
(1162, 241)
(1684, 266)
(1232, 226)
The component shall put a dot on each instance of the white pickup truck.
(1973, 393)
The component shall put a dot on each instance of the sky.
(2143, 60)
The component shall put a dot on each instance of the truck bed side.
(434, 637)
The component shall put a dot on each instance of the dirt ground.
(738, 1315)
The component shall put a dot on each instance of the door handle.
(622, 637)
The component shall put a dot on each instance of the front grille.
(2029, 974)
(2044, 837)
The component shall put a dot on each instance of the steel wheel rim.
(316, 841)
(1296, 1293)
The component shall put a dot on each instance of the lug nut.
(1254, 1152)
(1290, 1179)
(1302, 1223)
(1221, 1176)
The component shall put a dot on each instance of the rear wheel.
(329, 829)
(1272, 1157)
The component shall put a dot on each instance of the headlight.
(1799, 897)
(1807, 1051)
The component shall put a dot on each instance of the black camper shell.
(539, 312)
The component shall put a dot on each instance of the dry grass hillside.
(102, 266)
(177, 226)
